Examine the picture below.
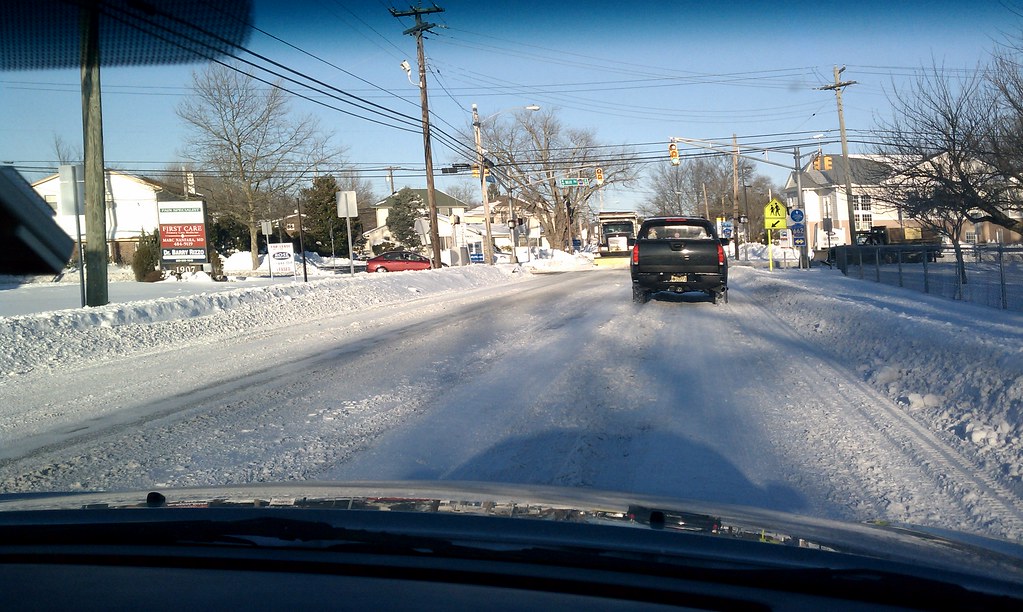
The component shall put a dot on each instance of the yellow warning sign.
(775, 215)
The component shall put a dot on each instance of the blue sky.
(637, 74)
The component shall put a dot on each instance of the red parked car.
(397, 261)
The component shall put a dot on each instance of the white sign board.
(282, 258)
(346, 205)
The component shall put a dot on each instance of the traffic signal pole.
(719, 148)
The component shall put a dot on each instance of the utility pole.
(488, 240)
(96, 290)
(431, 200)
(837, 87)
(390, 177)
(706, 205)
(735, 194)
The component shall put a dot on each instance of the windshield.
(678, 232)
(208, 317)
(619, 228)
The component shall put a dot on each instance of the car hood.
(598, 519)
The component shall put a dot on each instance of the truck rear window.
(676, 232)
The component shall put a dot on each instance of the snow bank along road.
(808, 392)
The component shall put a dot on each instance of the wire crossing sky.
(635, 77)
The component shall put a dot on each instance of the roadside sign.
(796, 215)
(798, 233)
(575, 182)
(282, 258)
(182, 232)
(775, 215)
(347, 206)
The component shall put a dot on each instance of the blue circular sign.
(797, 215)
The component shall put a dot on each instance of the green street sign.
(575, 182)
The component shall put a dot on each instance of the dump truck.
(617, 232)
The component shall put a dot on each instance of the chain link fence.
(991, 275)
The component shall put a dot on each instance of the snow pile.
(760, 252)
(240, 264)
(957, 367)
(543, 260)
(60, 339)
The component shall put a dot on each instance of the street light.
(488, 244)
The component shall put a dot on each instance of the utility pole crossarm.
(416, 12)
(837, 85)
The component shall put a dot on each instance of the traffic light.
(817, 163)
(600, 176)
(673, 154)
(827, 162)
(475, 171)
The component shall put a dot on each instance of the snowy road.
(559, 380)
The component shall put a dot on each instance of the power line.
(175, 37)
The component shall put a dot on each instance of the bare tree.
(465, 191)
(534, 150)
(1004, 146)
(934, 147)
(698, 186)
(65, 152)
(669, 186)
(244, 135)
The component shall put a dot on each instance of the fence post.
(1001, 278)
(927, 278)
(899, 262)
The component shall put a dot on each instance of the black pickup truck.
(679, 254)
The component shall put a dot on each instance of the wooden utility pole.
(431, 200)
(837, 87)
(96, 293)
(735, 194)
(706, 205)
(390, 177)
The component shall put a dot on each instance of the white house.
(825, 198)
(447, 206)
(528, 234)
(131, 207)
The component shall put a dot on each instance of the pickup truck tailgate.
(667, 256)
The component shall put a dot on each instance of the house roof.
(442, 199)
(163, 191)
(863, 170)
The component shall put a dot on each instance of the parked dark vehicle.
(679, 254)
(397, 261)
(889, 245)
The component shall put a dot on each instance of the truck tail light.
(635, 254)
(721, 255)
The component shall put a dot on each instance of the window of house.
(861, 208)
